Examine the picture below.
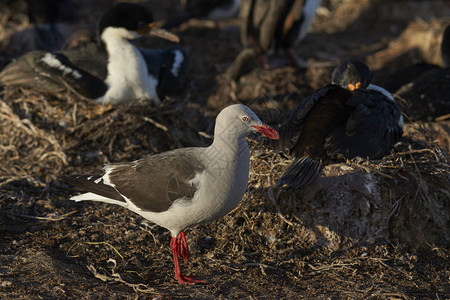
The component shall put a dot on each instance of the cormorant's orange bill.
(352, 87)
(154, 29)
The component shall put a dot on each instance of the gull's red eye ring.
(244, 119)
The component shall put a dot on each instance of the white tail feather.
(95, 197)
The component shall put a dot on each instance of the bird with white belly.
(110, 71)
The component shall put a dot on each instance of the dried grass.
(336, 238)
(43, 137)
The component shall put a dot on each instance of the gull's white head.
(242, 120)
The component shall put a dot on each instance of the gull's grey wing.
(155, 182)
(152, 183)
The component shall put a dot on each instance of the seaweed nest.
(44, 137)
(402, 197)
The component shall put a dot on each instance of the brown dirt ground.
(364, 230)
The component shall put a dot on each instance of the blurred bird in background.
(214, 10)
(49, 24)
(424, 87)
(270, 26)
(110, 71)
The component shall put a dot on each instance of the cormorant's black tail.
(300, 172)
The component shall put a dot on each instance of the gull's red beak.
(268, 131)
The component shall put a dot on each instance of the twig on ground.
(138, 287)
(46, 218)
(157, 124)
(95, 243)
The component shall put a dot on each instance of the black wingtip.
(70, 179)
(300, 172)
(80, 182)
(93, 184)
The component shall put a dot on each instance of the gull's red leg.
(179, 247)
(184, 249)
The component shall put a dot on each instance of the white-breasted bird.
(110, 71)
